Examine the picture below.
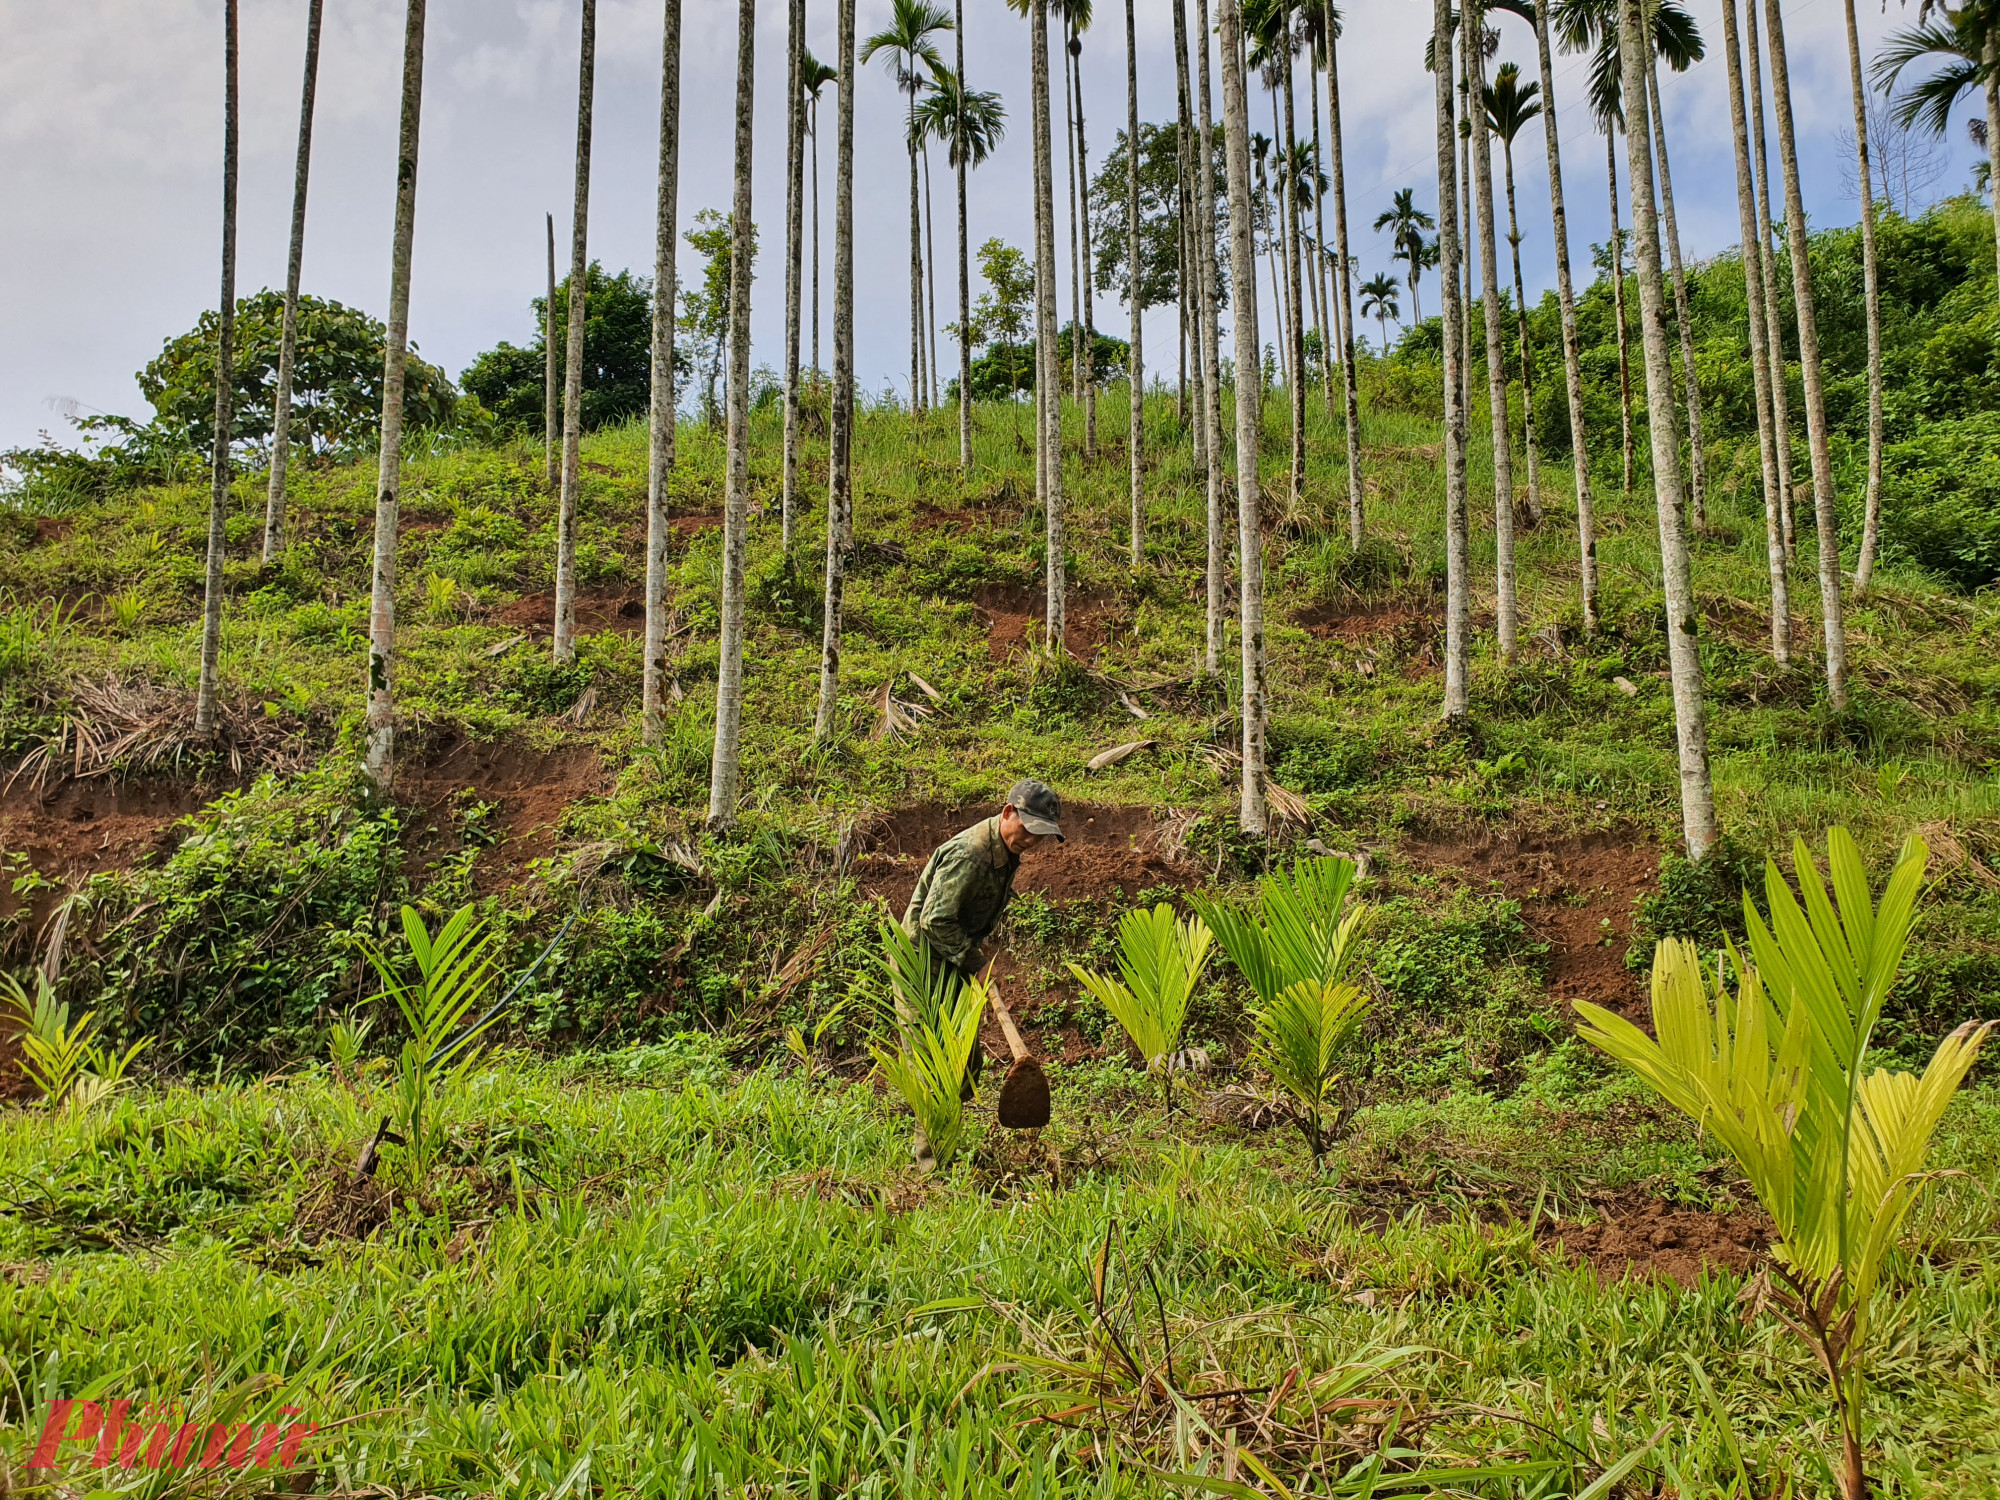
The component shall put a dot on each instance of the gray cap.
(1040, 809)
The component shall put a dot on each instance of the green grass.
(657, 1252)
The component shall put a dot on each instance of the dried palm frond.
(899, 718)
(1116, 753)
(138, 725)
(1286, 806)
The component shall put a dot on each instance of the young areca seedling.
(1834, 1151)
(1293, 951)
(456, 970)
(1160, 961)
(927, 1068)
(62, 1059)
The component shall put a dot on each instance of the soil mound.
(618, 609)
(1641, 1237)
(1010, 609)
(531, 788)
(1576, 893)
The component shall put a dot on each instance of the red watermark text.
(157, 1438)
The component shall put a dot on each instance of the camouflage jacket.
(962, 892)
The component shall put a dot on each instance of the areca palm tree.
(1324, 29)
(563, 645)
(1871, 512)
(1135, 365)
(795, 255)
(281, 420)
(815, 75)
(1378, 301)
(1586, 530)
(379, 759)
(1760, 353)
(664, 403)
(1510, 105)
(218, 500)
(1208, 325)
(1967, 43)
(1826, 514)
(1457, 527)
(970, 124)
(1408, 223)
(840, 427)
(1076, 16)
(1698, 824)
(724, 763)
(1243, 273)
(905, 45)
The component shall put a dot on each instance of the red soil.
(1010, 608)
(1569, 887)
(531, 788)
(1639, 1237)
(615, 607)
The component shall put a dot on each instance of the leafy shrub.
(235, 947)
(1439, 957)
(533, 684)
(1700, 900)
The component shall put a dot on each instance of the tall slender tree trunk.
(1250, 540)
(663, 417)
(1618, 309)
(1207, 320)
(579, 267)
(1045, 319)
(916, 264)
(1826, 509)
(840, 441)
(1527, 353)
(1183, 200)
(1774, 321)
(1089, 291)
(281, 419)
(379, 760)
(964, 269)
(1295, 329)
(225, 366)
(1469, 243)
(1135, 364)
(1989, 61)
(726, 761)
(1329, 315)
(1871, 277)
(1496, 340)
(795, 196)
(1457, 527)
(1069, 184)
(1697, 460)
(1760, 361)
(1586, 526)
(1343, 290)
(815, 226)
(930, 289)
(551, 373)
(1683, 613)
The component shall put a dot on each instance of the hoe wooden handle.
(1014, 1043)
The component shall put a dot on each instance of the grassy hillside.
(664, 1248)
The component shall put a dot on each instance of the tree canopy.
(617, 356)
(336, 379)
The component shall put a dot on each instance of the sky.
(111, 146)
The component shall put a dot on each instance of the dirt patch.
(942, 518)
(1639, 1238)
(1576, 893)
(77, 828)
(1358, 622)
(531, 790)
(689, 525)
(1010, 610)
(597, 610)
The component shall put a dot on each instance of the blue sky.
(110, 145)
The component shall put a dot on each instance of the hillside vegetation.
(665, 1252)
